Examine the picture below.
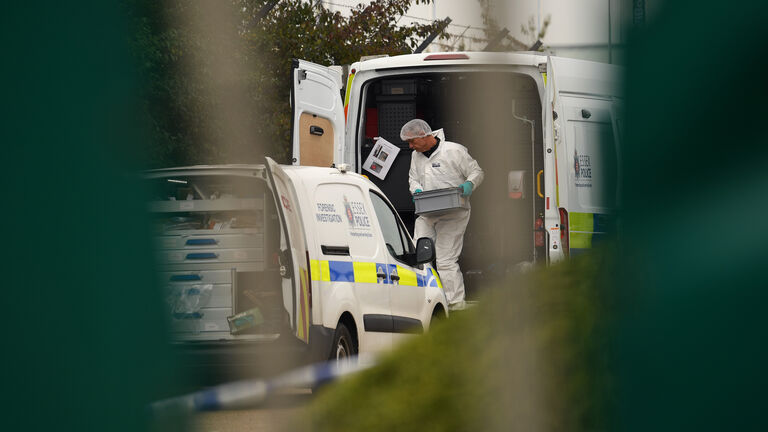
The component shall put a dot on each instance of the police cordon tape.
(249, 393)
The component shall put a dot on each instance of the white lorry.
(249, 253)
(544, 129)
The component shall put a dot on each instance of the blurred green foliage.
(531, 356)
(690, 348)
(180, 88)
(84, 343)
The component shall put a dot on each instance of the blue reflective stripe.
(432, 278)
(341, 271)
(344, 271)
(383, 267)
(391, 269)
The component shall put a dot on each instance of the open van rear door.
(581, 100)
(317, 128)
(293, 251)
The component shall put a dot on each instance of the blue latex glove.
(417, 191)
(466, 189)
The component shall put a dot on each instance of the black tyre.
(438, 315)
(344, 345)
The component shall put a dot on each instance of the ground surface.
(277, 415)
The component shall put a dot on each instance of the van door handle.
(395, 277)
(335, 250)
(381, 275)
(316, 130)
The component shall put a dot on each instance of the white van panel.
(584, 95)
(317, 106)
(591, 151)
(293, 241)
(342, 219)
(584, 77)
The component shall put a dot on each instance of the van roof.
(452, 58)
(322, 173)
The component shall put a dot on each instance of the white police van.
(250, 253)
(544, 129)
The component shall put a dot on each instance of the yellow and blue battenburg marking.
(587, 229)
(368, 272)
(433, 279)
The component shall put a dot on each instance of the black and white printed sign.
(381, 158)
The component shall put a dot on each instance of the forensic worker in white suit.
(439, 164)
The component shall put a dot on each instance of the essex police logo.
(576, 163)
(582, 167)
(348, 211)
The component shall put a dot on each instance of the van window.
(343, 220)
(398, 242)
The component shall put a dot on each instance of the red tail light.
(564, 238)
(538, 232)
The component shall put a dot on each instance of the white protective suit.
(449, 165)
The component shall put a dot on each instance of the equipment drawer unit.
(221, 280)
(205, 265)
(198, 277)
(211, 320)
(223, 204)
(209, 256)
(203, 239)
(220, 296)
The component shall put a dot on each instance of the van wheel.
(343, 344)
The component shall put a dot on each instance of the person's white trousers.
(447, 232)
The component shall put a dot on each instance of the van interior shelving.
(216, 238)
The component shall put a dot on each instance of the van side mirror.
(425, 250)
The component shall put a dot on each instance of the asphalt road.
(277, 415)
